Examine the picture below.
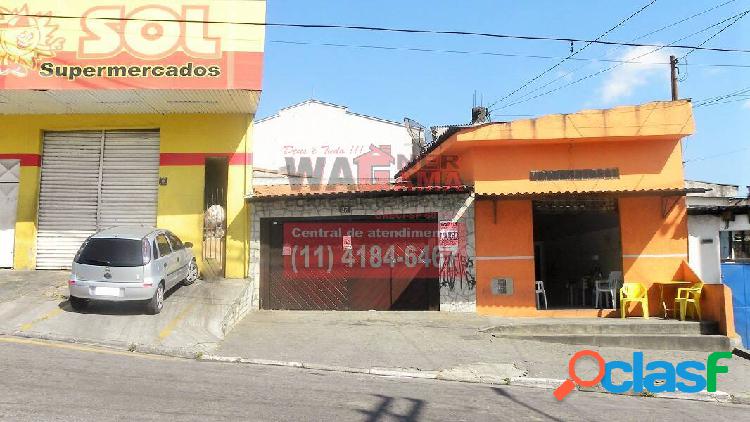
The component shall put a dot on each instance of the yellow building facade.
(190, 100)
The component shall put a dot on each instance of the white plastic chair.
(608, 286)
(540, 290)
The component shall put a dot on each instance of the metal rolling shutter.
(68, 195)
(92, 181)
(130, 179)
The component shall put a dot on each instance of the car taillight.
(71, 282)
(146, 248)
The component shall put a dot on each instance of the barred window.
(735, 245)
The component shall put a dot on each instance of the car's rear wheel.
(192, 273)
(156, 303)
(77, 303)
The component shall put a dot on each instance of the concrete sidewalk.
(17, 284)
(194, 319)
(429, 341)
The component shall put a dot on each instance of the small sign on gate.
(448, 236)
(286, 250)
(347, 242)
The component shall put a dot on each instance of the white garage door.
(90, 181)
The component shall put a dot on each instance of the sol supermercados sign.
(74, 44)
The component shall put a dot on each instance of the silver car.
(130, 264)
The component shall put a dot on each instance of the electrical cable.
(591, 75)
(565, 75)
(573, 53)
(487, 53)
(742, 15)
(384, 29)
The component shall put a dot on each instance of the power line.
(567, 40)
(742, 15)
(745, 98)
(487, 53)
(604, 34)
(591, 75)
(709, 157)
(539, 88)
(720, 99)
(703, 12)
(744, 93)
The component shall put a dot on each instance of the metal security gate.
(90, 181)
(216, 177)
(10, 172)
(314, 276)
(130, 179)
(214, 241)
(737, 277)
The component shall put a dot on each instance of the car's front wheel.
(77, 303)
(192, 273)
(156, 303)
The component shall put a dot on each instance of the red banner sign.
(180, 44)
(364, 250)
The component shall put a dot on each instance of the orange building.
(567, 198)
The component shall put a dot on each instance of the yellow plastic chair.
(633, 292)
(687, 296)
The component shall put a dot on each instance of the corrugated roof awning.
(273, 192)
(599, 193)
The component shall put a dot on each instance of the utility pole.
(673, 70)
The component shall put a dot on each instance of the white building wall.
(315, 130)
(703, 247)
(704, 244)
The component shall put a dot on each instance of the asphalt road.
(43, 381)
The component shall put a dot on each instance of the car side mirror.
(188, 244)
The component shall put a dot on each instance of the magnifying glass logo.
(566, 387)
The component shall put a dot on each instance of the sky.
(438, 87)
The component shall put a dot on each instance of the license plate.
(107, 291)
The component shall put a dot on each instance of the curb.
(546, 383)
(109, 344)
(717, 396)
(541, 383)
(528, 382)
(378, 371)
(404, 373)
(741, 399)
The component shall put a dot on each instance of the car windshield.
(111, 252)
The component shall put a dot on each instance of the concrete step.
(700, 343)
(604, 327)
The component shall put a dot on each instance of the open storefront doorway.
(576, 243)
